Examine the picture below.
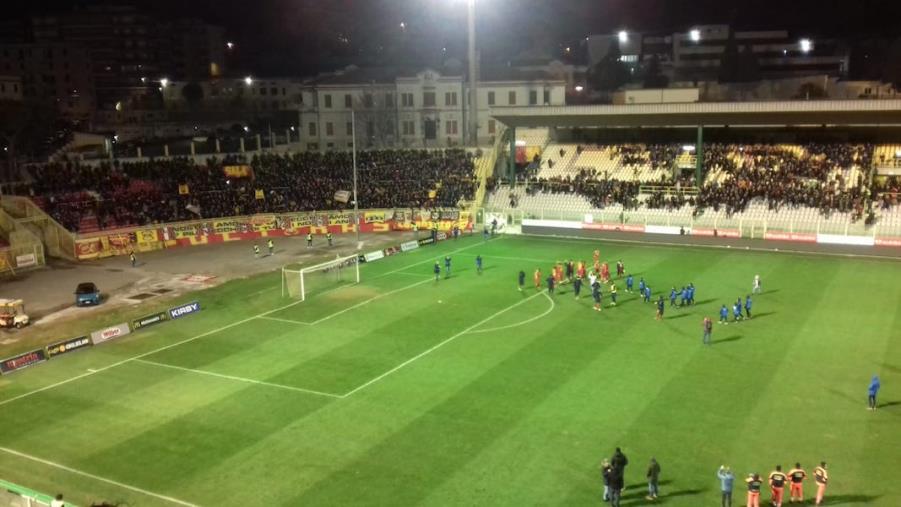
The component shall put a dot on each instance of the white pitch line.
(97, 477)
(439, 345)
(238, 379)
(289, 321)
(201, 335)
(523, 323)
(145, 354)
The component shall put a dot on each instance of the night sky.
(290, 36)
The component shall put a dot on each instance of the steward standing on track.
(328, 236)
(256, 251)
(270, 245)
(309, 240)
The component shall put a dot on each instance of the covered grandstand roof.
(777, 113)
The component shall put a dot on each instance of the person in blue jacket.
(873, 390)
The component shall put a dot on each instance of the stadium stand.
(826, 183)
(86, 198)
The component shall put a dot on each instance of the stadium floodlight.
(579, 88)
(248, 80)
(623, 36)
(302, 282)
(164, 82)
(806, 45)
(688, 148)
(230, 45)
(694, 35)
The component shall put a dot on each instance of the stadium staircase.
(56, 241)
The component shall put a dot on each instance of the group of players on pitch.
(577, 273)
(777, 481)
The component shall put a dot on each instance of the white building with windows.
(421, 109)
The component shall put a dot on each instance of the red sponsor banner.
(791, 236)
(721, 233)
(888, 242)
(613, 227)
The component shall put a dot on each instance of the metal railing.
(746, 227)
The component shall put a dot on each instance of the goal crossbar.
(301, 282)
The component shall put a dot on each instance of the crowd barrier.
(248, 228)
(537, 225)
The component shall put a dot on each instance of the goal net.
(300, 282)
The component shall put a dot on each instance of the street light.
(694, 35)
(806, 45)
(623, 36)
(579, 88)
(230, 45)
(248, 80)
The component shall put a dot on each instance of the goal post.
(301, 282)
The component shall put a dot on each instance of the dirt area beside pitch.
(158, 277)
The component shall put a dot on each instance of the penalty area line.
(439, 345)
(239, 379)
(96, 477)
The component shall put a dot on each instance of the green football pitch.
(406, 391)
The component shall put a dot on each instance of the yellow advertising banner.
(226, 226)
(301, 221)
(237, 171)
(339, 219)
(264, 223)
(147, 236)
(371, 217)
(183, 189)
(184, 231)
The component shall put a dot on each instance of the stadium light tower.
(623, 36)
(806, 45)
(694, 35)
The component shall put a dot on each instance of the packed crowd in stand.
(597, 188)
(817, 175)
(785, 177)
(888, 191)
(178, 189)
